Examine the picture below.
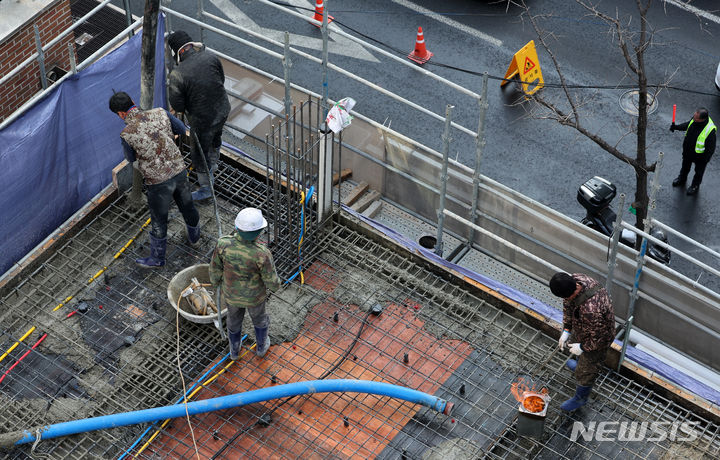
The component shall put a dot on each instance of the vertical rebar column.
(614, 241)
(443, 179)
(641, 258)
(128, 17)
(147, 61)
(479, 147)
(325, 93)
(40, 58)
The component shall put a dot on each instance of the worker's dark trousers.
(588, 366)
(159, 196)
(235, 318)
(700, 165)
(210, 141)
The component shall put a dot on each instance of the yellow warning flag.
(526, 66)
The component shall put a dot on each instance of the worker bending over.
(588, 319)
(244, 268)
(148, 138)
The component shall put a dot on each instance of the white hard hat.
(249, 220)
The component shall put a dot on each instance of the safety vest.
(700, 143)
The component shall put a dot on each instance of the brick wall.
(21, 44)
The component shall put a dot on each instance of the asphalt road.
(537, 157)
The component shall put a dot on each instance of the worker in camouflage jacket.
(196, 88)
(148, 140)
(244, 268)
(589, 319)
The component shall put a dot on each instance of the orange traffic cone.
(421, 55)
(319, 7)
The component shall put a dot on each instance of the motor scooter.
(595, 195)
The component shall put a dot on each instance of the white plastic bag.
(339, 117)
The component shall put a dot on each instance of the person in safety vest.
(698, 148)
(243, 267)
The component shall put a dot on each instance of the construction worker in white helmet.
(243, 267)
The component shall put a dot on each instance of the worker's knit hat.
(177, 39)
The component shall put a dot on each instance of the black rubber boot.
(157, 254)
(235, 339)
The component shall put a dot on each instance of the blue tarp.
(60, 153)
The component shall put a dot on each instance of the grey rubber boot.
(262, 340)
(235, 339)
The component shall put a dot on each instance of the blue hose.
(230, 401)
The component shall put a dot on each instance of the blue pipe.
(227, 402)
(189, 390)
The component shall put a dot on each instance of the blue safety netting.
(60, 153)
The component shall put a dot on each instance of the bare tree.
(632, 44)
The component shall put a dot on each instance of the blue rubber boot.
(577, 401)
(235, 339)
(193, 234)
(203, 193)
(157, 254)
(571, 364)
(262, 340)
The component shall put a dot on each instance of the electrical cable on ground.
(182, 379)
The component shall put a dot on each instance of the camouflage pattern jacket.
(592, 323)
(150, 135)
(245, 269)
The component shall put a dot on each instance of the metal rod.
(55, 40)
(128, 17)
(287, 63)
(479, 147)
(375, 49)
(200, 12)
(312, 58)
(325, 57)
(40, 57)
(502, 241)
(97, 54)
(446, 138)
(614, 241)
(71, 55)
(640, 260)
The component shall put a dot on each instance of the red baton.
(674, 109)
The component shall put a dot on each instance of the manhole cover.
(630, 100)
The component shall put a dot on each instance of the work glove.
(563, 339)
(673, 127)
(575, 349)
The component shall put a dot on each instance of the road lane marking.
(342, 46)
(449, 22)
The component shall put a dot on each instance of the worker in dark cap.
(589, 320)
(197, 89)
(149, 139)
(698, 147)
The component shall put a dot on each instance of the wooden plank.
(356, 193)
(344, 175)
(363, 203)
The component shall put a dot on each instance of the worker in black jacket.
(698, 148)
(197, 89)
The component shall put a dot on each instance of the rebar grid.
(350, 274)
